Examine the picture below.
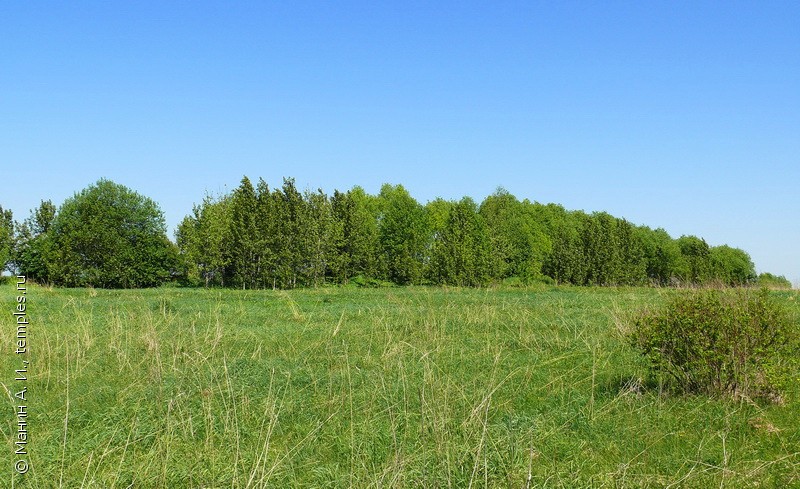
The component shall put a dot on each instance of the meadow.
(389, 387)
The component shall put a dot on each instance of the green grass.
(345, 387)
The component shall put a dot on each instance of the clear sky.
(681, 115)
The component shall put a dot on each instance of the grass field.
(345, 387)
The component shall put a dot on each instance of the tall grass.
(402, 387)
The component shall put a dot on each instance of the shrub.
(738, 343)
(364, 281)
(771, 281)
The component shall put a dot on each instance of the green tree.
(243, 250)
(695, 264)
(460, 254)
(501, 212)
(565, 263)
(732, 266)
(601, 249)
(358, 245)
(323, 236)
(633, 263)
(33, 249)
(6, 237)
(519, 241)
(203, 239)
(291, 217)
(284, 239)
(43, 217)
(110, 236)
(438, 211)
(438, 214)
(403, 232)
(662, 255)
(266, 238)
(187, 239)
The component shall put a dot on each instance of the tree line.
(260, 237)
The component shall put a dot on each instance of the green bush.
(737, 343)
(369, 282)
(771, 281)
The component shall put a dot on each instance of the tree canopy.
(285, 238)
(260, 237)
(104, 236)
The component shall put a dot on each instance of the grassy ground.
(340, 387)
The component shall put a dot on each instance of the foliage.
(732, 266)
(737, 343)
(6, 237)
(695, 264)
(324, 235)
(203, 239)
(107, 236)
(770, 281)
(256, 237)
(632, 267)
(518, 240)
(357, 233)
(243, 250)
(284, 238)
(403, 231)
(33, 253)
(662, 254)
(460, 254)
(565, 263)
(601, 249)
(289, 213)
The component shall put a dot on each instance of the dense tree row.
(258, 237)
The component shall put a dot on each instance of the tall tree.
(403, 232)
(565, 263)
(732, 266)
(519, 241)
(358, 243)
(322, 234)
(438, 215)
(43, 217)
(266, 236)
(33, 247)
(662, 255)
(633, 264)
(291, 253)
(281, 238)
(601, 249)
(6, 237)
(501, 212)
(243, 251)
(695, 266)
(203, 240)
(460, 254)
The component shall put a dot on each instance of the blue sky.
(681, 115)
